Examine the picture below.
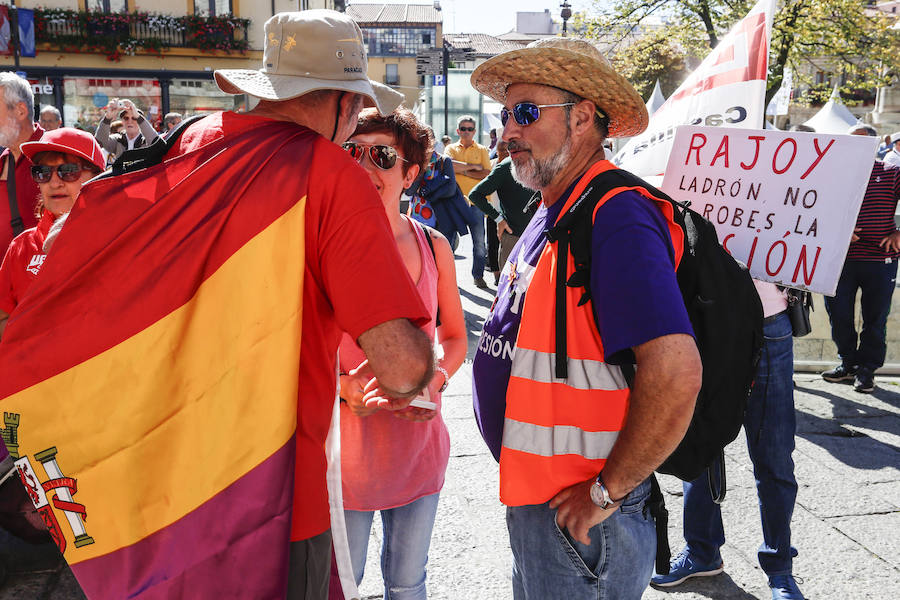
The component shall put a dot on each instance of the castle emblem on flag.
(63, 488)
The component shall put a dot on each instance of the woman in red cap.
(63, 160)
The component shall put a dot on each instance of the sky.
(488, 16)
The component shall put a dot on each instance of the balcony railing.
(115, 34)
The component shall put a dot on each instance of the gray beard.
(9, 132)
(538, 174)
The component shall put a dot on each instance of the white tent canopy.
(833, 118)
(656, 99)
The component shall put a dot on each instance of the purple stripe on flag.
(235, 545)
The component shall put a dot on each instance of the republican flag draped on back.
(148, 379)
(727, 89)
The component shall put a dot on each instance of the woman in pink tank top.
(394, 461)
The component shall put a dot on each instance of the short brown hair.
(414, 139)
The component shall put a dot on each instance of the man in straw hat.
(575, 445)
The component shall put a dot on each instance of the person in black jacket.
(138, 131)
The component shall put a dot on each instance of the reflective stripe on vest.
(583, 374)
(558, 432)
(558, 440)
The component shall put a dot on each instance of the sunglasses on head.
(467, 129)
(382, 156)
(68, 172)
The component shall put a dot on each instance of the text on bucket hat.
(70, 141)
(573, 65)
(307, 51)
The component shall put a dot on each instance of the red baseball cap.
(69, 140)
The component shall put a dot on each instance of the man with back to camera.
(285, 156)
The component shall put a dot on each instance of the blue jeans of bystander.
(770, 425)
(479, 246)
(404, 552)
(548, 563)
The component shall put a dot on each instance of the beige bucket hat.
(569, 64)
(307, 51)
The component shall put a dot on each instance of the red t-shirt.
(22, 262)
(354, 280)
(27, 193)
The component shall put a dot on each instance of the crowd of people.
(575, 454)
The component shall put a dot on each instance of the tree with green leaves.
(651, 58)
(855, 40)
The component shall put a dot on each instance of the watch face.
(597, 495)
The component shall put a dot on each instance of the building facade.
(160, 54)
(394, 34)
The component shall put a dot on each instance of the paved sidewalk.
(846, 524)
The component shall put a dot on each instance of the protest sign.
(784, 203)
(727, 89)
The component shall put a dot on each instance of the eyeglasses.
(526, 113)
(467, 129)
(68, 172)
(382, 156)
(128, 118)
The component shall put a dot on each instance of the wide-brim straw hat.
(569, 64)
(307, 51)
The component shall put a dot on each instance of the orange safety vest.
(558, 432)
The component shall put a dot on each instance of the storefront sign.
(783, 203)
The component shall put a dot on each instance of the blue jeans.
(770, 425)
(479, 247)
(877, 281)
(404, 552)
(548, 563)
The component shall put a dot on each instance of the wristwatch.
(600, 495)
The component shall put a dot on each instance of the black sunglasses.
(526, 113)
(467, 129)
(68, 172)
(382, 156)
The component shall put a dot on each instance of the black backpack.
(147, 156)
(727, 318)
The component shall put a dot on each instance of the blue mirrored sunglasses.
(526, 113)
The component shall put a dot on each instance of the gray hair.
(465, 118)
(171, 117)
(863, 127)
(15, 90)
(51, 109)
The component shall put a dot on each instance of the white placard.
(784, 203)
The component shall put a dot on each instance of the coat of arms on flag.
(62, 487)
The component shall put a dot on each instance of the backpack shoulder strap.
(573, 231)
(147, 156)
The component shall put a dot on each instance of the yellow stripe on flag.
(160, 423)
